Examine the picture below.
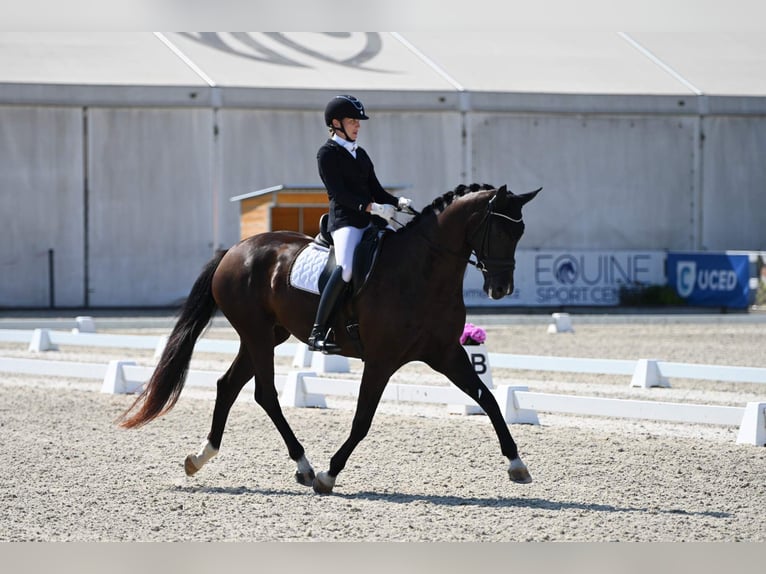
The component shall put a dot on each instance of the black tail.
(167, 382)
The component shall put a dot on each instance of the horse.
(417, 280)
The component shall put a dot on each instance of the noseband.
(483, 260)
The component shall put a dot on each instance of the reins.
(430, 241)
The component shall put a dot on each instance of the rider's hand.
(383, 210)
(404, 202)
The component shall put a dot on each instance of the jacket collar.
(351, 147)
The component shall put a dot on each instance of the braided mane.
(441, 203)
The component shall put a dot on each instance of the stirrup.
(317, 343)
(327, 348)
(324, 347)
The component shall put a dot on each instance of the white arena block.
(511, 412)
(302, 357)
(161, 344)
(560, 323)
(115, 382)
(84, 325)
(41, 341)
(479, 358)
(294, 392)
(647, 374)
(753, 427)
(322, 363)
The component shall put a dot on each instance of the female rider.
(355, 196)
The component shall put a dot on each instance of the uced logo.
(688, 278)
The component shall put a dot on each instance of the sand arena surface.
(421, 474)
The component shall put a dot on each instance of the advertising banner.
(556, 278)
(710, 279)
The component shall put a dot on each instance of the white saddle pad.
(308, 266)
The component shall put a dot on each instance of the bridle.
(483, 260)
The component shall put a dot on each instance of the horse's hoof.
(323, 483)
(305, 478)
(189, 467)
(518, 473)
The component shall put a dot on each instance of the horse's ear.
(529, 196)
(501, 197)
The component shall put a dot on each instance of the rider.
(355, 196)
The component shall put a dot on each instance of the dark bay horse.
(411, 309)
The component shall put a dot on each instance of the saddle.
(313, 266)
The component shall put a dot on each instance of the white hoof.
(517, 472)
(194, 462)
(323, 483)
(190, 467)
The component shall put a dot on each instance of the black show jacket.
(351, 185)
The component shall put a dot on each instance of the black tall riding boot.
(327, 305)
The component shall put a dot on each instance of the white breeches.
(346, 239)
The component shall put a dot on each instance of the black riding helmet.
(343, 106)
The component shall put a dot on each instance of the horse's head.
(495, 237)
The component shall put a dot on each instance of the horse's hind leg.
(261, 350)
(227, 390)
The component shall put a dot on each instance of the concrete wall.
(420, 149)
(734, 183)
(610, 181)
(161, 165)
(150, 203)
(41, 205)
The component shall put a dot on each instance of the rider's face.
(351, 125)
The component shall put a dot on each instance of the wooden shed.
(285, 207)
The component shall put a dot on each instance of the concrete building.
(119, 152)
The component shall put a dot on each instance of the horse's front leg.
(455, 365)
(374, 380)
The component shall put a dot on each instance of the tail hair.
(166, 383)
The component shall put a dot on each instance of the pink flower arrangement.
(472, 335)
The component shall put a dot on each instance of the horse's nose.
(498, 292)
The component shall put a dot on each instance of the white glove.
(404, 202)
(383, 210)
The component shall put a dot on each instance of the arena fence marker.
(753, 427)
(41, 341)
(560, 323)
(84, 325)
(667, 369)
(512, 413)
(647, 374)
(295, 394)
(518, 405)
(115, 382)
